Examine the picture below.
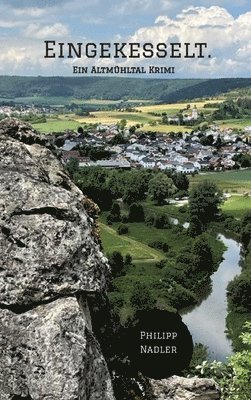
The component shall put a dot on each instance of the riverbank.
(207, 322)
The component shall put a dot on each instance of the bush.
(141, 297)
(124, 219)
(122, 229)
(136, 213)
(109, 219)
(159, 245)
(115, 212)
(128, 260)
(181, 297)
(246, 235)
(116, 301)
(160, 221)
(149, 219)
(161, 264)
(239, 292)
(116, 262)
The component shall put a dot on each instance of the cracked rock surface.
(50, 353)
(46, 242)
(50, 262)
(178, 388)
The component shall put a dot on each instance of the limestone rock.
(50, 353)
(178, 388)
(47, 245)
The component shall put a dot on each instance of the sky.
(225, 26)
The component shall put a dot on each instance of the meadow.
(147, 114)
(234, 123)
(139, 251)
(173, 108)
(235, 181)
(237, 206)
(56, 125)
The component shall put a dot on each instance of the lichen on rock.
(50, 262)
(46, 241)
(179, 388)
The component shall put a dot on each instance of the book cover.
(125, 200)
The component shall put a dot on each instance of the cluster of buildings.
(186, 116)
(182, 154)
(9, 111)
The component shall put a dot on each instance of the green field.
(237, 206)
(145, 234)
(234, 123)
(146, 114)
(238, 181)
(140, 252)
(56, 125)
(149, 123)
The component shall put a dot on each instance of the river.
(207, 321)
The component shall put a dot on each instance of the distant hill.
(162, 90)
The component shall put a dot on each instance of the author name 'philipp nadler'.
(164, 337)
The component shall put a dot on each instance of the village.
(212, 149)
(183, 152)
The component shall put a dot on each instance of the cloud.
(131, 6)
(228, 38)
(37, 31)
(93, 20)
(10, 24)
(33, 12)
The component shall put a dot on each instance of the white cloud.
(166, 4)
(228, 39)
(94, 20)
(132, 6)
(33, 12)
(37, 31)
(9, 24)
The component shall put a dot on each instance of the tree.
(80, 130)
(202, 254)
(204, 202)
(118, 139)
(161, 187)
(122, 124)
(116, 262)
(141, 297)
(136, 213)
(128, 260)
(132, 129)
(134, 185)
(181, 181)
(122, 229)
(239, 292)
(195, 227)
(72, 166)
(207, 140)
(115, 212)
(246, 235)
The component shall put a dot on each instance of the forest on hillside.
(168, 90)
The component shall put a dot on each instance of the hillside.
(161, 90)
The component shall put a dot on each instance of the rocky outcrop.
(50, 263)
(178, 388)
(50, 353)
